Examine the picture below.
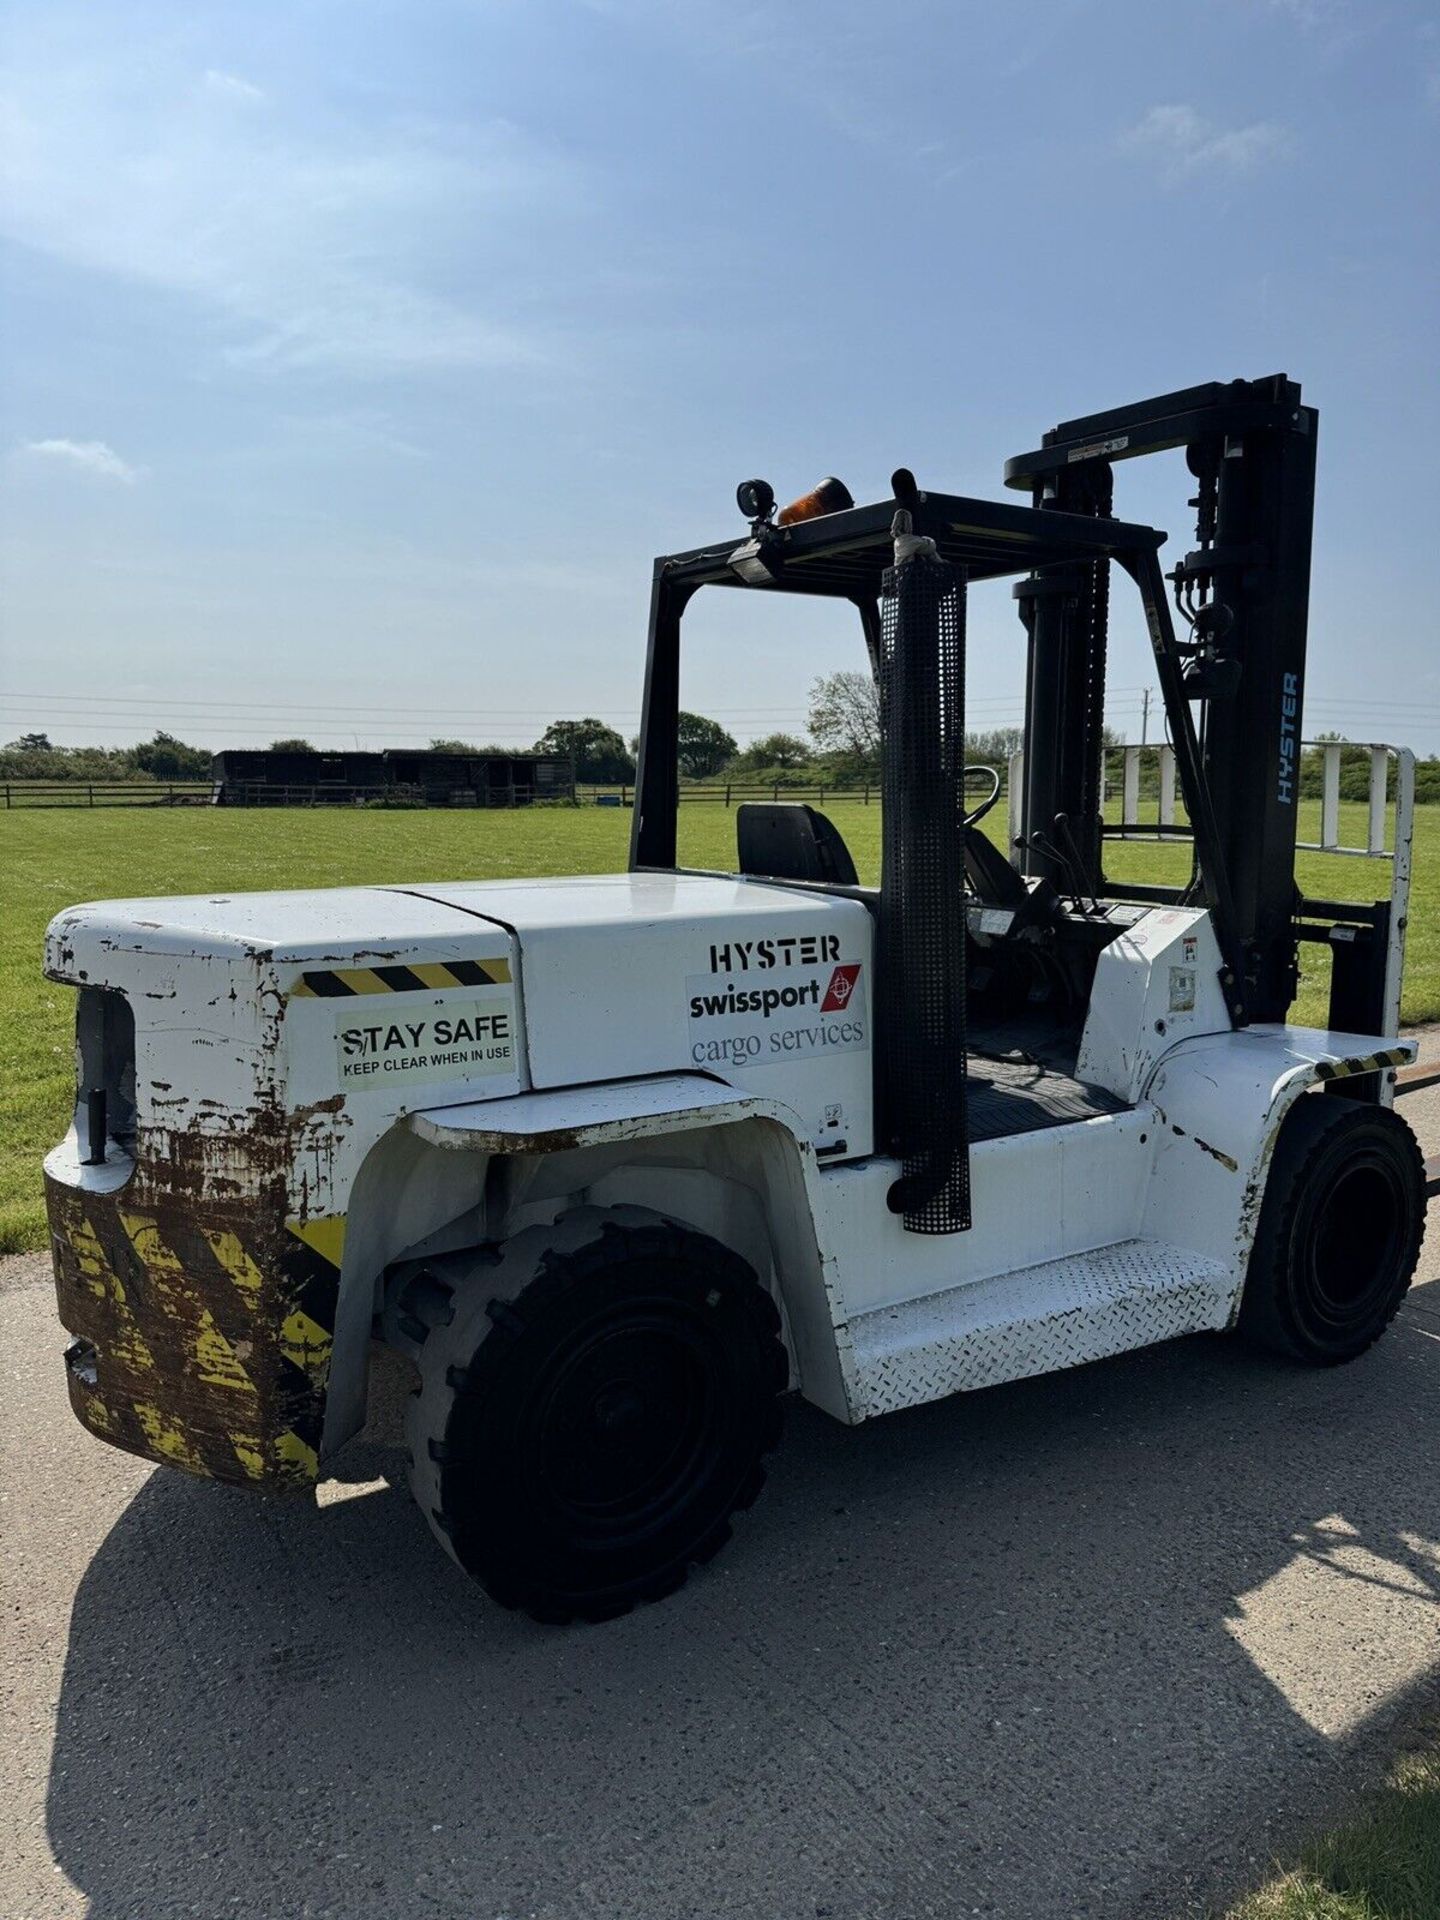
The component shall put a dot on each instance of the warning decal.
(460, 1038)
(341, 983)
(1182, 989)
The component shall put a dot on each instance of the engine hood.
(635, 900)
(767, 987)
(352, 926)
(599, 978)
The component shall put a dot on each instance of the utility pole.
(1144, 714)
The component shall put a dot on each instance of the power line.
(210, 703)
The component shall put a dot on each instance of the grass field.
(50, 860)
(1382, 1865)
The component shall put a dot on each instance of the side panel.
(1193, 1159)
(1155, 985)
(770, 991)
(1035, 1197)
(427, 1027)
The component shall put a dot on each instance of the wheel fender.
(431, 1169)
(559, 1119)
(1219, 1103)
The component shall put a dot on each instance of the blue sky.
(359, 357)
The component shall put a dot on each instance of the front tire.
(594, 1410)
(1340, 1231)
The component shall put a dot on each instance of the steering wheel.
(973, 818)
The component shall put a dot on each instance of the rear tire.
(594, 1410)
(1340, 1231)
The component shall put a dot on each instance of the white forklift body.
(705, 1044)
(616, 1160)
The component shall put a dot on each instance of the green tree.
(598, 751)
(292, 746)
(993, 745)
(30, 743)
(166, 758)
(775, 750)
(845, 715)
(704, 746)
(451, 746)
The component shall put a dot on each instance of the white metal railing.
(1378, 808)
(1129, 789)
(1331, 752)
(1015, 805)
(1385, 838)
(1400, 839)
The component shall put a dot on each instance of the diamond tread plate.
(1060, 1314)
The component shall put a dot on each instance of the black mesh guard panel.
(922, 911)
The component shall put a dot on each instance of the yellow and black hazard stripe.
(421, 976)
(209, 1344)
(1362, 1063)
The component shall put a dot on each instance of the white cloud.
(1309, 13)
(1184, 143)
(231, 86)
(316, 241)
(91, 456)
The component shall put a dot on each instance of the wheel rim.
(1356, 1240)
(624, 1426)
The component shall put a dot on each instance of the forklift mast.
(1243, 597)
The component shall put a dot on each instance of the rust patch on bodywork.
(203, 1321)
(1226, 1160)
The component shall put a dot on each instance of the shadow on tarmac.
(1093, 1644)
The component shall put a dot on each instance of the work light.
(755, 499)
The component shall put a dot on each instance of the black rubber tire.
(595, 1410)
(1340, 1231)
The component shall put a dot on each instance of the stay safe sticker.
(460, 1038)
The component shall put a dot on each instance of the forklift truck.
(619, 1161)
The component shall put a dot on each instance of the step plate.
(1038, 1320)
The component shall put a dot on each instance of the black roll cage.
(843, 556)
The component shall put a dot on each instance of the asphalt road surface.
(1096, 1644)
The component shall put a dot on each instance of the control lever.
(1062, 826)
(1041, 843)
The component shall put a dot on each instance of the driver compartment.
(1030, 965)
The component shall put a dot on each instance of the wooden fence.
(729, 793)
(200, 793)
(106, 793)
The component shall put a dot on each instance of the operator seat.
(1034, 904)
(991, 875)
(786, 840)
